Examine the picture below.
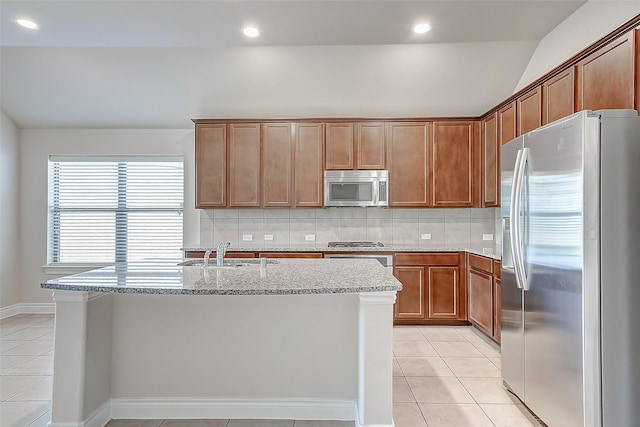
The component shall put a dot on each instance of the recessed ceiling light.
(422, 28)
(26, 23)
(251, 31)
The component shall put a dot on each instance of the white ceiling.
(158, 64)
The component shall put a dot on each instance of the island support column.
(81, 359)
(375, 359)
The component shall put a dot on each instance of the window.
(105, 209)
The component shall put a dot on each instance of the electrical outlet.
(487, 237)
(425, 236)
(310, 237)
(247, 237)
(268, 237)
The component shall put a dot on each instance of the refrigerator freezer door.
(553, 262)
(512, 338)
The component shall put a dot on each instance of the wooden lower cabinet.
(497, 315)
(484, 295)
(410, 301)
(434, 291)
(481, 300)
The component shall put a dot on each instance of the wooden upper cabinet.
(244, 164)
(637, 40)
(407, 161)
(370, 147)
(529, 110)
(211, 166)
(338, 146)
(507, 123)
(605, 79)
(454, 164)
(308, 140)
(558, 96)
(490, 162)
(277, 163)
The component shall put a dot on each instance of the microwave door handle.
(376, 193)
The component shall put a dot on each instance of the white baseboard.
(10, 310)
(171, 408)
(99, 418)
(27, 308)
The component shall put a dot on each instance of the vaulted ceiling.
(157, 64)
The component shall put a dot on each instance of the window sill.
(66, 269)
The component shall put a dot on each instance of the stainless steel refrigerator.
(570, 269)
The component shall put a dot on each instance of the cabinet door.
(490, 162)
(408, 160)
(277, 161)
(481, 297)
(606, 77)
(211, 166)
(410, 301)
(443, 292)
(507, 123)
(244, 165)
(308, 161)
(371, 151)
(497, 307)
(558, 96)
(529, 110)
(454, 164)
(338, 146)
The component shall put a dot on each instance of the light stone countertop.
(496, 250)
(289, 277)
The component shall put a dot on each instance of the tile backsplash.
(317, 227)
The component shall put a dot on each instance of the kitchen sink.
(240, 262)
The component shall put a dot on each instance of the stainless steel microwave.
(356, 188)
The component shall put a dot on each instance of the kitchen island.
(301, 339)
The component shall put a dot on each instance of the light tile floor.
(443, 376)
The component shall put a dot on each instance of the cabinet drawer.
(496, 268)
(448, 258)
(481, 263)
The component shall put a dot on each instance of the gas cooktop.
(354, 244)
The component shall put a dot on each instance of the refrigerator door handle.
(514, 218)
(518, 260)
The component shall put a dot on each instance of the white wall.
(591, 22)
(35, 148)
(9, 218)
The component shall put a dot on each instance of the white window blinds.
(104, 209)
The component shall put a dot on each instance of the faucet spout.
(220, 252)
(207, 254)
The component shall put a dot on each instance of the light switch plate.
(425, 236)
(268, 237)
(310, 237)
(247, 237)
(487, 237)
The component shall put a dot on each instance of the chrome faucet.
(207, 254)
(220, 251)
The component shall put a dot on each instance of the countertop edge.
(265, 292)
(374, 249)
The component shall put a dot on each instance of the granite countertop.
(288, 277)
(496, 250)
